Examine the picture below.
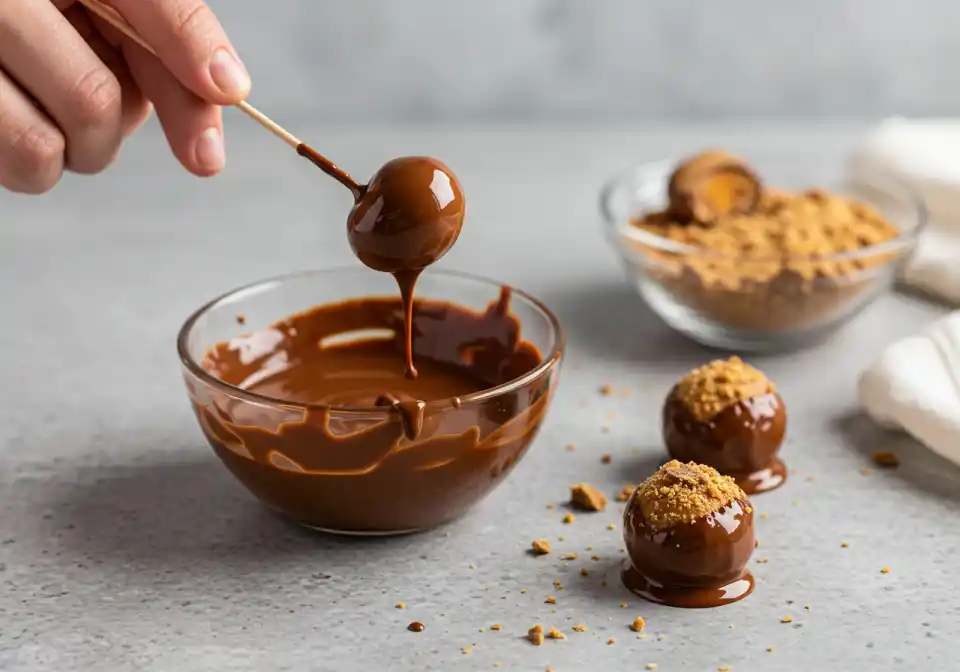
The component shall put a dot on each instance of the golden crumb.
(496, 664)
(611, 526)
(569, 556)
(523, 591)
(787, 619)
(866, 471)
(652, 666)
(885, 459)
(569, 518)
(473, 565)
(763, 516)
(606, 390)
(571, 447)
(584, 571)
(625, 492)
(540, 546)
(756, 543)
(579, 627)
(606, 459)
(723, 668)
(551, 506)
(481, 629)
(594, 557)
(553, 633)
(586, 497)
(466, 649)
(713, 387)
(623, 605)
(683, 493)
(807, 607)
(401, 605)
(561, 538)
(885, 570)
(535, 635)
(844, 544)
(550, 600)
(642, 635)
(557, 584)
(763, 561)
(769, 649)
(637, 625)
(496, 626)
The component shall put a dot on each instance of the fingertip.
(230, 80)
(209, 155)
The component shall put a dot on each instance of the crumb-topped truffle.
(684, 493)
(713, 387)
(728, 415)
(688, 531)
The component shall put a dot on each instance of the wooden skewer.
(113, 17)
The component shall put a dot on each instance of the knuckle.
(97, 98)
(191, 19)
(37, 157)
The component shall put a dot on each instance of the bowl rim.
(549, 361)
(619, 229)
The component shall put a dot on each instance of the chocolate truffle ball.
(728, 415)
(408, 217)
(689, 533)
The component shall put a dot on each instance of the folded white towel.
(915, 386)
(926, 156)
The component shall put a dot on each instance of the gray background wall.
(428, 60)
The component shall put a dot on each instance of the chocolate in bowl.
(307, 404)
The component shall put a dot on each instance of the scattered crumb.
(551, 506)
(723, 668)
(625, 492)
(241, 318)
(561, 538)
(652, 666)
(553, 633)
(611, 641)
(523, 591)
(763, 561)
(807, 607)
(623, 605)
(481, 629)
(594, 557)
(605, 390)
(465, 650)
(763, 516)
(769, 649)
(557, 584)
(496, 626)
(795, 502)
(550, 600)
(844, 544)
(416, 626)
(401, 605)
(540, 546)
(584, 571)
(569, 518)
(885, 570)
(626, 392)
(642, 635)
(885, 459)
(659, 638)
(579, 627)
(497, 664)
(605, 429)
(606, 459)
(866, 471)
(787, 619)
(571, 447)
(809, 479)
(756, 543)
(637, 625)
(611, 526)
(535, 635)
(473, 565)
(549, 669)
(569, 556)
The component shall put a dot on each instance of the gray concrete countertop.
(124, 545)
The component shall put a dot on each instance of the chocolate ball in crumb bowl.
(728, 415)
(689, 534)
(298, 385)
(728, 257)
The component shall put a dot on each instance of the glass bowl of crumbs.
(734, 263)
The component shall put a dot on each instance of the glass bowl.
(795, 305)
(336, 482)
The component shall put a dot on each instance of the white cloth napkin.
(926, 156)
(915, 384)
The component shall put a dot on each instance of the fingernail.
(209, 151)
(229, 74)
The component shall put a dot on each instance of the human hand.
(72, 88)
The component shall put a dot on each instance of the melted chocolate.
(741, 441)
(700, 564)
(396, 454)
